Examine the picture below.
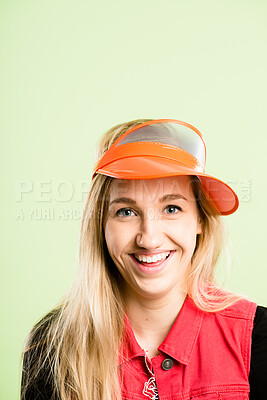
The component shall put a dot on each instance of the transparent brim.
(169, 133)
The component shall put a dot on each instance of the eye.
(124, 212)
(171, 209)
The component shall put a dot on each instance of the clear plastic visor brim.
(169, 133)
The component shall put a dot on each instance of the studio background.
(69, 71)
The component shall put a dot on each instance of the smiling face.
(150, 230)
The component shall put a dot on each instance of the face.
(150, 230)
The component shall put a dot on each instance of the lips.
(152, 258)
(152, 267)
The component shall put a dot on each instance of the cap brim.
(149, 167)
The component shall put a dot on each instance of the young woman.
(145, 319)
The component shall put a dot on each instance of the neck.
(152, 319)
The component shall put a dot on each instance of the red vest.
(205, 356)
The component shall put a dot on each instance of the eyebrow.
(166, 197)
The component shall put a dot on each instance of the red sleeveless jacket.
(205, 356)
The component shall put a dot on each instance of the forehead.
(151, 189)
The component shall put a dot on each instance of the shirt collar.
(179, 342)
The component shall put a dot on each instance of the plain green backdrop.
(69, 71)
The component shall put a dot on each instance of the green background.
(72, 69)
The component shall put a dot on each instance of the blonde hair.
(76, 346)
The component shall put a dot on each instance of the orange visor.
(162, 148)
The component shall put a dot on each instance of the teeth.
(153, 259)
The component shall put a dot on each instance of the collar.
(179, 342)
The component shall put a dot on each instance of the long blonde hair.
(77, 344)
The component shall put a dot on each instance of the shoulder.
(258, 364)
(37, 374)
(41, 328)
(260, 324)
(38, 339)
(243, 308)
(259, 335)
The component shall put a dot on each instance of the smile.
(153, 258)
(153, 263)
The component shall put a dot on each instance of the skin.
(147, 217)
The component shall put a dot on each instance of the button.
(167, 364)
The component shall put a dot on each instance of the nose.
(150, 235)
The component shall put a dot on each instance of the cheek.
(185, 235)
(115, 238)
(109, 236)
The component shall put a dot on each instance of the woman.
(144, 318)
